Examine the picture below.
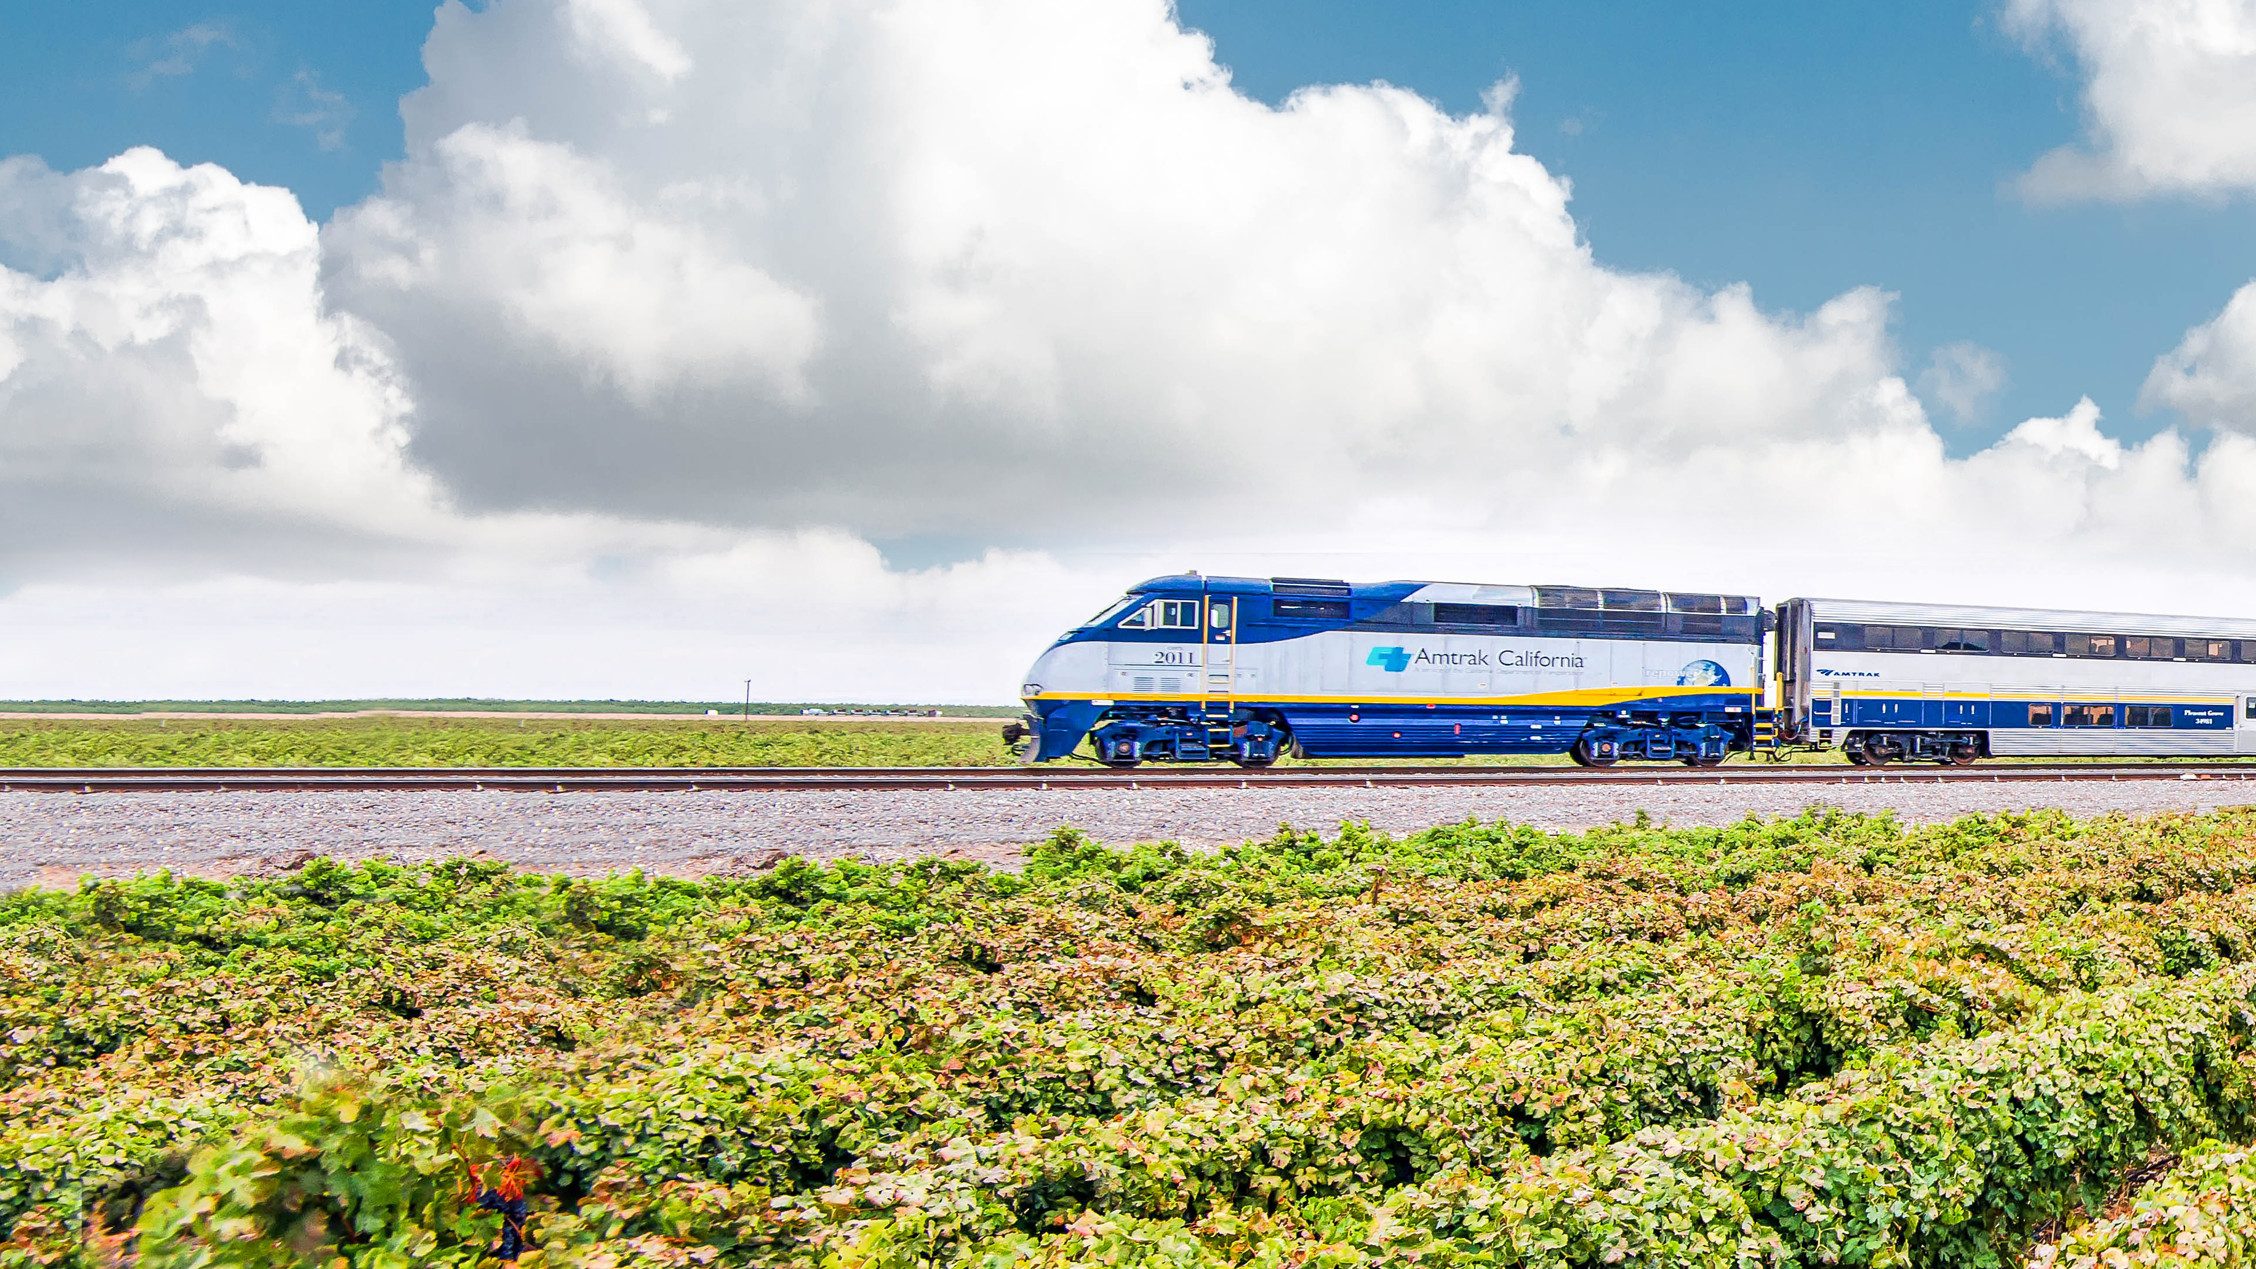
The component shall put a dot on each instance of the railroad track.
(782, 779)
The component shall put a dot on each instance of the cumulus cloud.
(2211, 376)
(914, 268)
(1961, 378)
(2169, 96)
(170, 384)
(673, 307)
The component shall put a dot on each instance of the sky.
(635, 347)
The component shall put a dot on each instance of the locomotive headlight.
(1029, 689)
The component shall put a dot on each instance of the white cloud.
(305, 103)
(172, 385)
(623, 29)
(611, 387)
(2169, 96)
(179, 54)
(1961, 378)
(907, 268)
(2211, 376)
(695, 628)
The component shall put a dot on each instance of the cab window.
(1165, 614)
(1112, 610)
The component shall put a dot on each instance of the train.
(1192, 668)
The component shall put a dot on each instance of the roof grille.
(1311, 587)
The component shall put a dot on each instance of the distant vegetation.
(462, 704)
(395, 741)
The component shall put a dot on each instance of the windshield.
(1117, 607)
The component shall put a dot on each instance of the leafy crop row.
(1829, 1040)
(2201, 1216)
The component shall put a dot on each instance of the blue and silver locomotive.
(1245, 670)
(1191, 668)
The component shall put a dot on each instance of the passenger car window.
(2040, 715)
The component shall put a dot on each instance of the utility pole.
(747, 701)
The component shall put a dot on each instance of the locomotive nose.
(1023, 734)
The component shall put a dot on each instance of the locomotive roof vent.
(1310, 587)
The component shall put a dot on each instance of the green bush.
(1828, 1040)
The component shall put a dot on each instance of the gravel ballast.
(54, 838)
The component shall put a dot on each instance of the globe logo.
(1703, 674)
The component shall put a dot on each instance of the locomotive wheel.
(1122, 764)
(1962, 756)
(1284, 746)
(1583, 757)
(1716, 761)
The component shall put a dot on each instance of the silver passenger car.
(1953, 683)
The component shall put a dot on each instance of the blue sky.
(1804, 149)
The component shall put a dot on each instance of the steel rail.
(786, 779)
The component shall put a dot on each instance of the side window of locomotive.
(1179, 614)
(1141, 619)
(1481, 616)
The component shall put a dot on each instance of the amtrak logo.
(1392, 660)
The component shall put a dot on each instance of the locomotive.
(1189, 668)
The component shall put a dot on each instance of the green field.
(474, 704)
(496, 742)
(1827, 1041)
